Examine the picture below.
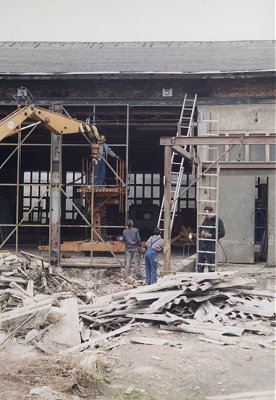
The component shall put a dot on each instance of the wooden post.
(167, 208)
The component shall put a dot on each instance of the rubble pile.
(210, 303)
(57, 316)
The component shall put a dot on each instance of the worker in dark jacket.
(207, 247)
(132, 240)
(155, 244)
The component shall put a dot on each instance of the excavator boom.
(53, 121)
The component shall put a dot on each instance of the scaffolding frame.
(54, 207)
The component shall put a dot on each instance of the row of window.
(143, 188)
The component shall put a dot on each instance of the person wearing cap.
(207, 247)
(132, 240)
(155, 244)
(100, 167)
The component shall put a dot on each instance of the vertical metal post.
(126, 165)
(167, 208)
(18, 190)
(92, 215)
(55, 199)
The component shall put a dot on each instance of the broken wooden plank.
(16, 316)
(205, 328)
(93, 342)
(149, 341)
(166, 298)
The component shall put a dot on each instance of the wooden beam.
(243, 164)
(185, 154)
(167, 208)
(205, 140)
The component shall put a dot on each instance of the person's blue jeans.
(99, 173)
(151, 266)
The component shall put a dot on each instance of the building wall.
(237, 209)
(237, 119)
(271, 251)
(237, 187)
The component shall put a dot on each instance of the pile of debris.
(30, 294)
(213, 304)
(53, 314)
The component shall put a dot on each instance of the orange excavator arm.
(53, 121)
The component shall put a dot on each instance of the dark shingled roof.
(136, 57)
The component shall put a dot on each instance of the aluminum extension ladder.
(184, 128)
(207, 194)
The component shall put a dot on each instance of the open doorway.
(260, 228)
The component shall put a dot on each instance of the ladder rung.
(209, 201)
(207, 187)
(210, 174)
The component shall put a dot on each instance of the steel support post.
(167, 208)
(55, 181)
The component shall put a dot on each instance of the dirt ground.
(190, 369)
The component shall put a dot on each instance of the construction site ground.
(189, 369)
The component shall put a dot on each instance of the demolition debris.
(55, 315)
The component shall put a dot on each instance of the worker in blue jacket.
(155, 244)
(100, 167)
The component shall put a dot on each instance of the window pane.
(27, 177)
(43, 177)
(156, 179)
(35, 191)
(139, 191)
(257, 152)
(272, 151)
(131, 178)
(69, 191)
(43, 189)
(147, 179)
(156, 191)
(139, 179)
(26, 190)
(35, 216)
(34, 203)
(35, 176)
(69, 177)
(131, 191)
(147, 191)
(192, 192)
(26, 203)
(68, 205)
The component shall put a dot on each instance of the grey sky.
(137, 20)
